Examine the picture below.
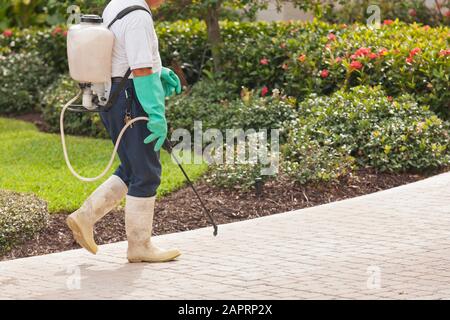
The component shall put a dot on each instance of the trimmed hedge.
(203, 102)
(21, 217)
(360, 128)
(302, 58)
(378, 131)
(214, 104)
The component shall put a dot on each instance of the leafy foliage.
(21, 217)
(21, 90)
(386, 134)
(77, 123)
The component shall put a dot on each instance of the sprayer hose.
(116, 146)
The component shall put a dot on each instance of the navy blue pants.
(140, 167)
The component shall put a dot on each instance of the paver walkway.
(391, 244)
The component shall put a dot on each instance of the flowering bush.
(300, 58)
(49, 43)
(204, 102)
(389, 134)
(401, 58)
(23, 77)
(213, 103)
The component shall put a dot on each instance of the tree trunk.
(214, 37)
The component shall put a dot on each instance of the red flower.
(447, 14)
(390, 98)
(56, 31)
(427, 27)
(388, 22)
(264, 61)
(325, 73)
(65, 33)
(285, 66)
(356, 65)
(332, 37)
(412, 12)
(338, 60)
(264, 91)
(383, 52)
(361, 52)
(373, 56)
(414, 52)
(7, 33)
(444, 53)
(301, 58)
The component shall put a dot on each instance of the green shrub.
(293, 56)
(43, 12)
(24, 76)
(21, 217)
(236, 176)
(366, 124)
(77, 123)
(259, 113)
(204, 102)
(243, 172)
(300, 58)
(49, 43)
(316, 163)
(217, 106)
(184, 42)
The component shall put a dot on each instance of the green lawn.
(32, 161)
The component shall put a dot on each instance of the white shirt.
(136, 42)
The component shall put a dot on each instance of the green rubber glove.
(150, 94)
(170, 81)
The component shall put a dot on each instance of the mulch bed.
(180, 210)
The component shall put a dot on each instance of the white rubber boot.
(100, 202)
(138, 224)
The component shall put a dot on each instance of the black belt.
(117, 79)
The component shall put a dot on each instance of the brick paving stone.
(392, 244)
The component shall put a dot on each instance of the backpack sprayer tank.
(89, 51)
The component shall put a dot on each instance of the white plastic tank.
(89, 50)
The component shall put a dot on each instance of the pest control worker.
(139, 174)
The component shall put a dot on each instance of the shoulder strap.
(126, 11)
